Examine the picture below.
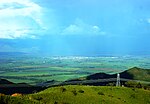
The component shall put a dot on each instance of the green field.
(39, 69)
(82, 95)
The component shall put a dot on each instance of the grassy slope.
(87, 95)
(137, 74)
(132, 73)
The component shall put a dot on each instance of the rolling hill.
(77, 94)
(80, 94)
(137, 74)
(132, 74)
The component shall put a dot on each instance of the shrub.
(38, 98)
(81, 91)
(100, 93)
(119, 98)
(74, 92)
(55, 102)
(111, 84)
(139, 85)
(110, 95)
(132, 96)
(63, 89)
(131, 84)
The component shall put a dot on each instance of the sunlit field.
(40, 69)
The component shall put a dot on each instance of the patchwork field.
(39, 69)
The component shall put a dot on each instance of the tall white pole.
(118, 80)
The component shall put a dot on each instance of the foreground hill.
(76, 94)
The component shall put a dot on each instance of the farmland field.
(36, 69)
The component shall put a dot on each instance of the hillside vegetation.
(77, 94)
(136, 74)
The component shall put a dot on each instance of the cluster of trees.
(132, 84)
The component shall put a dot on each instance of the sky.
(75, 27)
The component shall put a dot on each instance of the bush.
(74, 92)
(63, 89)
(81, 91)
(55, 102)
(111, 84)
(139, 85)
(38, 98)
(133, 84)
(100, 93)
(110, 96)
(132, 96)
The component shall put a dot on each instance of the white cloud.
(73, 29)
(27, 19)
(27, 8)
(81, 28)
(13, 34)
(20, 18)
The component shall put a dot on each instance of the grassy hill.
(136, 74)
(76, 94)
(133, 73)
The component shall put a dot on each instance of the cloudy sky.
(75, 27)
